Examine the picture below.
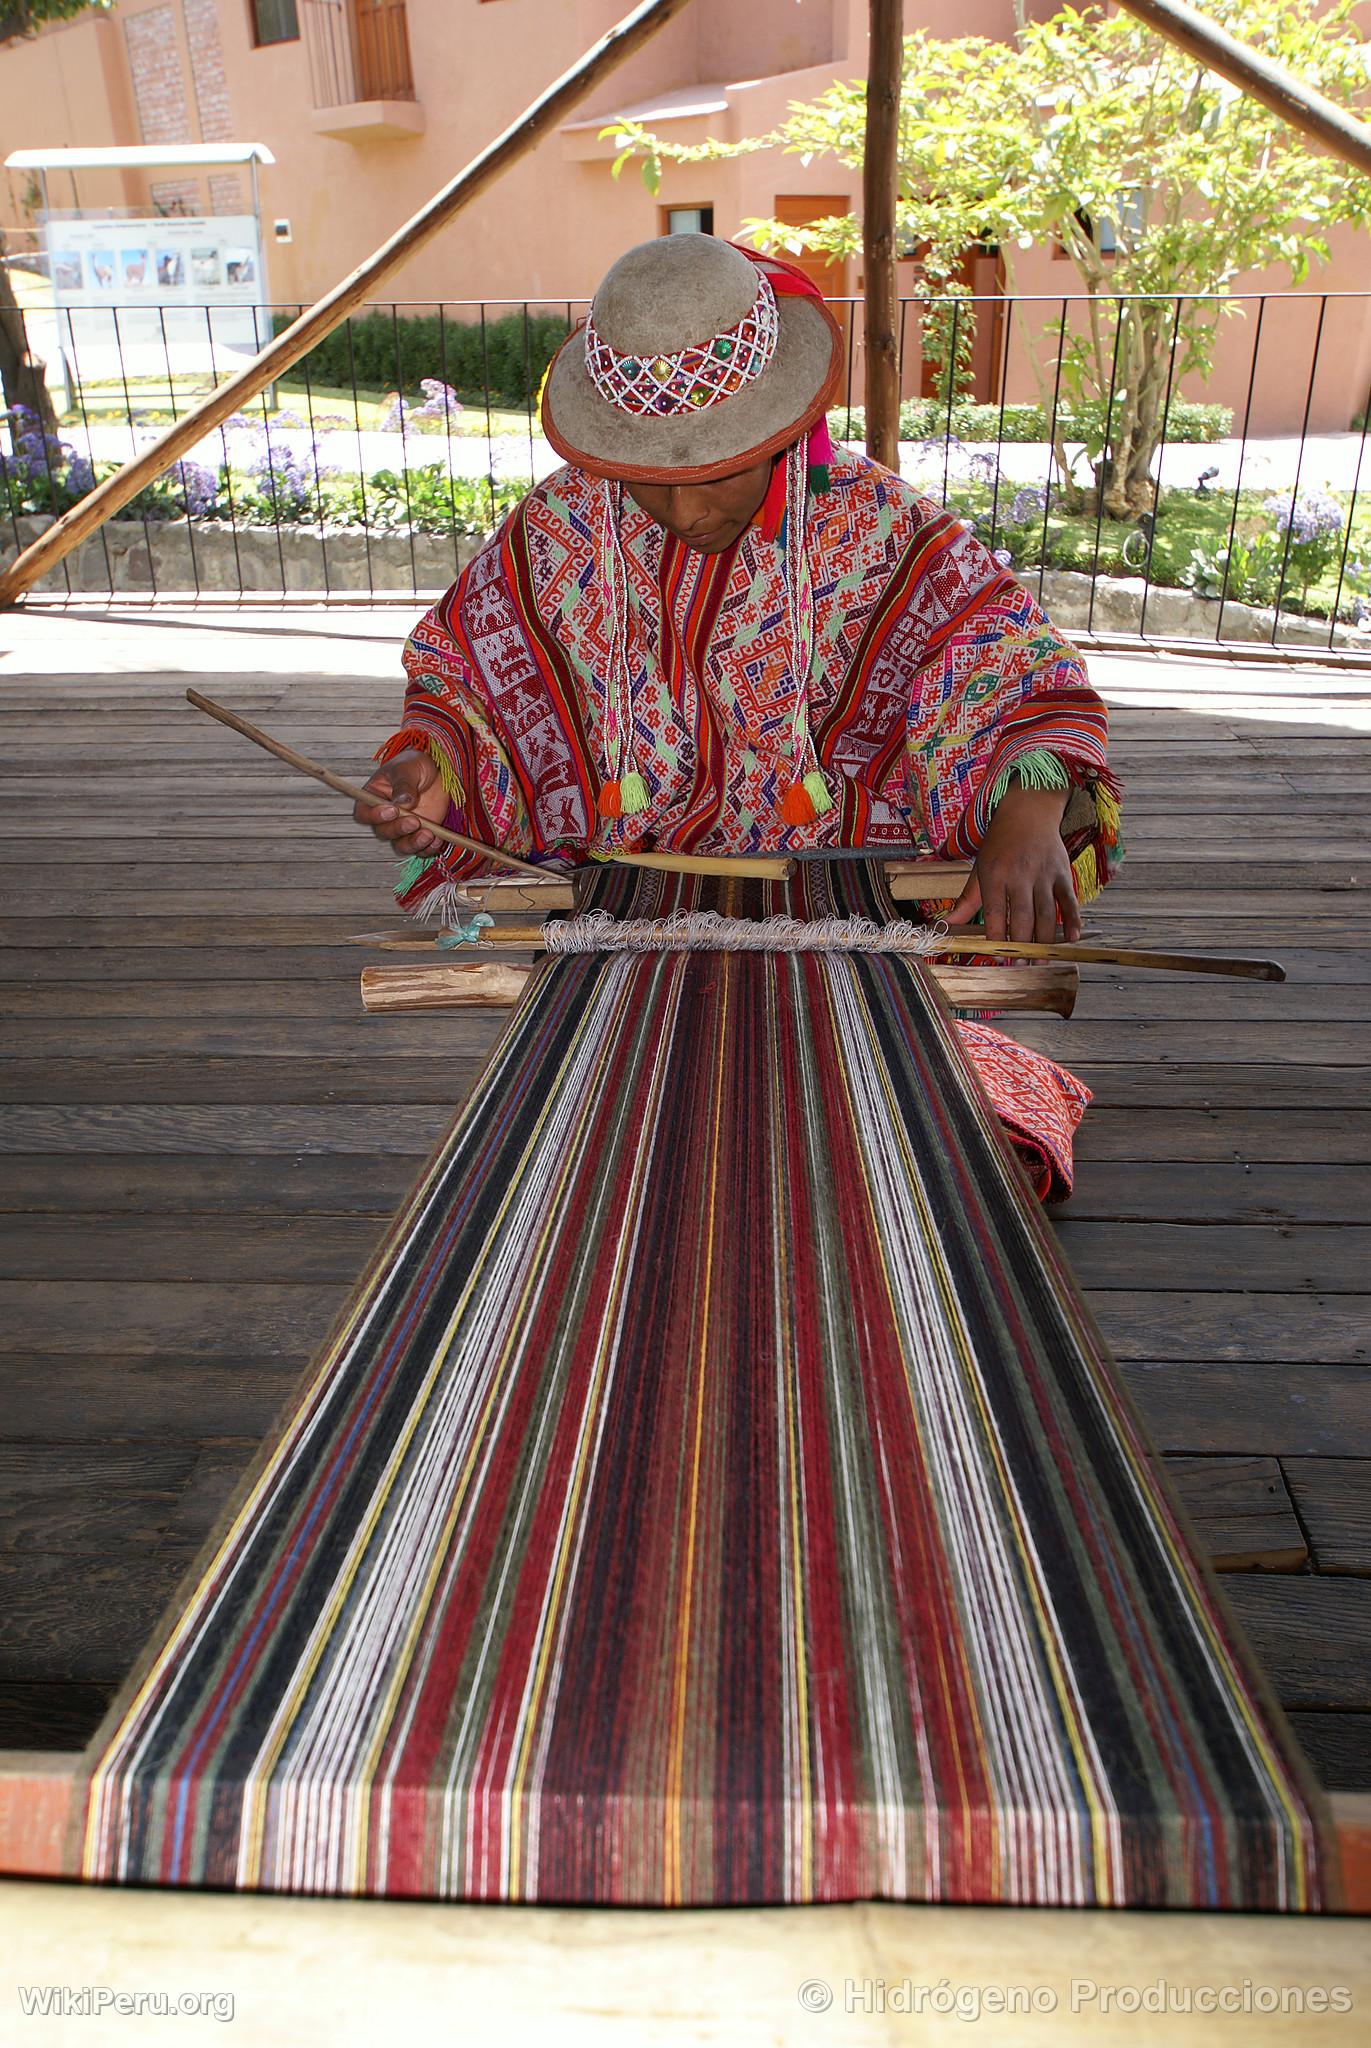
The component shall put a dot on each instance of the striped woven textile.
(715, 1492)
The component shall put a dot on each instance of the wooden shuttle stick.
(305, 766)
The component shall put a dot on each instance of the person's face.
(706, 516)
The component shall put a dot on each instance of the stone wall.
(130, 557)
(159, 86)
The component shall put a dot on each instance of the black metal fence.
(1081, 440)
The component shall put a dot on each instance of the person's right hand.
(409, 795)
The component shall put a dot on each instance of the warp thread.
(705, 931)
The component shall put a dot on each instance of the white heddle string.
(705, 931)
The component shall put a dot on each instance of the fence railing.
(1136, 496)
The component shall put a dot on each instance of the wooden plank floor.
(204, 1135)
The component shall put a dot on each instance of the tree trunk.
(21, 374)
(884, 76)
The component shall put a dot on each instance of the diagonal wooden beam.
(329, 312)
(1314, 115)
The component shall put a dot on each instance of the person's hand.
(409, 796)
(1022, 877)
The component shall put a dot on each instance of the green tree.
(1160, 180)
(24, 17)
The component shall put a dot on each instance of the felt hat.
(698, 359)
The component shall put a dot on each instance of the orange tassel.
(797, 806)
(610, 801)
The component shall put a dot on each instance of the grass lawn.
(366, 409)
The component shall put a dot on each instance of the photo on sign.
(66, 270)
(135, 264)
(101, 263)
(205, 267)
(171, 267)
(242, 266)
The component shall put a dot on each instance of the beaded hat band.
(693, 377)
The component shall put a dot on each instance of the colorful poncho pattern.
(935, 677)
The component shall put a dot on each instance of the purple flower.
(440, 400)
(80, 476)
(1313, 516)
(1027, 507)
(200, 487)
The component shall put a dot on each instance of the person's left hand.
(1022, 877)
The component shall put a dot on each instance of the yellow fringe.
(447, 773)
(1108, 814)
(1086, 871)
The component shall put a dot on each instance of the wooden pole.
(526, 935)
(736, 867)
(297, 340)
(1316, 117)
(880, 170)
(493, 984)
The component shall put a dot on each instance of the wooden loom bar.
(1243, 969)
(327, 313)
(480, 984)
(1314, 115)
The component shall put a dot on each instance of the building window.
(687, 220)
(274, 21)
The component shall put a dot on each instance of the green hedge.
(393, 353)
(926, 419)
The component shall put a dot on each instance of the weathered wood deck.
(204, 1135)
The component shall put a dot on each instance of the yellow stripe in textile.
(510, 1357)
(604, 1349)
(953, 1326)
(781, 1238)
(673, 1890)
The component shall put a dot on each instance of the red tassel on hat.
(610, 803)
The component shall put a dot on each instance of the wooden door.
(380, 42)
(798, 212)
(982, 273)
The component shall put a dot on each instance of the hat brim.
(794, 388)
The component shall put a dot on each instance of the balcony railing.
(358, 51)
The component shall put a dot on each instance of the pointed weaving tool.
(741, 867)
(305, 766)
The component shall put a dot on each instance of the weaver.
(715, 1493)
(712, 633)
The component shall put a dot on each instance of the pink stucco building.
(370, 105)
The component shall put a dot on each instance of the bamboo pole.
(1318, 118)
(327, 313)
(880, 315)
